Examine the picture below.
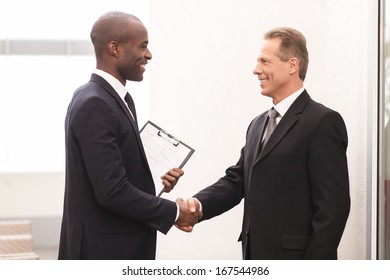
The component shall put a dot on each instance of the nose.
(148, 55)
(257, 70)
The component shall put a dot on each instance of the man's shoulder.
(318, 108)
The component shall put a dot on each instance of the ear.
(113, 48)
(294, 65)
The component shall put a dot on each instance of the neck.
(287, 92)
(112, 72)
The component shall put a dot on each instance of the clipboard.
(163, 151)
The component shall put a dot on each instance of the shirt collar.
(285, 104)
(114, 82)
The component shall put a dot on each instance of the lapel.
(102, 82)
(285, 124)
(114, 94)
(258, 133)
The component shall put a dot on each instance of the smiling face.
(121, 46)
(274, 74)
(133, 53)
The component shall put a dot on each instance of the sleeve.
(329, 184)
(226, 193)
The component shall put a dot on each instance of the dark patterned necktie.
(272, 114)
(130, 103)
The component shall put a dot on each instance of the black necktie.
(272, 114)
(130, 103)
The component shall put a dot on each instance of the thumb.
(192, 205)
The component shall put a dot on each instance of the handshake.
(189, 211)
(189, 214)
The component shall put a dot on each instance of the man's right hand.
(189, 214)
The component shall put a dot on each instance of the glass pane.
(71, 19)
(386, 87)
(35, 90)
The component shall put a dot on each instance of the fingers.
(186, 219)
(185, 229)
(189, 214)
(193, 205)
(170, 179)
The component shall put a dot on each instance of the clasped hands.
(189, 211)
(189, 214)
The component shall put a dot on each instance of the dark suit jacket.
(110, 207)
(296, 189)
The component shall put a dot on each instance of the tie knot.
(272, 113)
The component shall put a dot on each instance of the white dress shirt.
(116, 84)
(285, 104)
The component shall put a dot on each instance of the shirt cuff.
(177, 212)
(200, 204)
(178, 208)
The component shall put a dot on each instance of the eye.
(263, 61)
(144, 46)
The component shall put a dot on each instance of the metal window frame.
(45, 47)
(380, 251)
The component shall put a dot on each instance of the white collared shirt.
(286, 103)
(116, 84)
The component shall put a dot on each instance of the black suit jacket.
(110, 207)
(296, 188)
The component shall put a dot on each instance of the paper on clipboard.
(163, 151)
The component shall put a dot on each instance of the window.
(45, 54)
(384, 151)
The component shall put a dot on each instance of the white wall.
(203, 90)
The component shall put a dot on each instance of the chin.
(140, 77)
(264, 93)
(136, 79)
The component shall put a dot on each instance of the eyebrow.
(143, 43)
(262, 59)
